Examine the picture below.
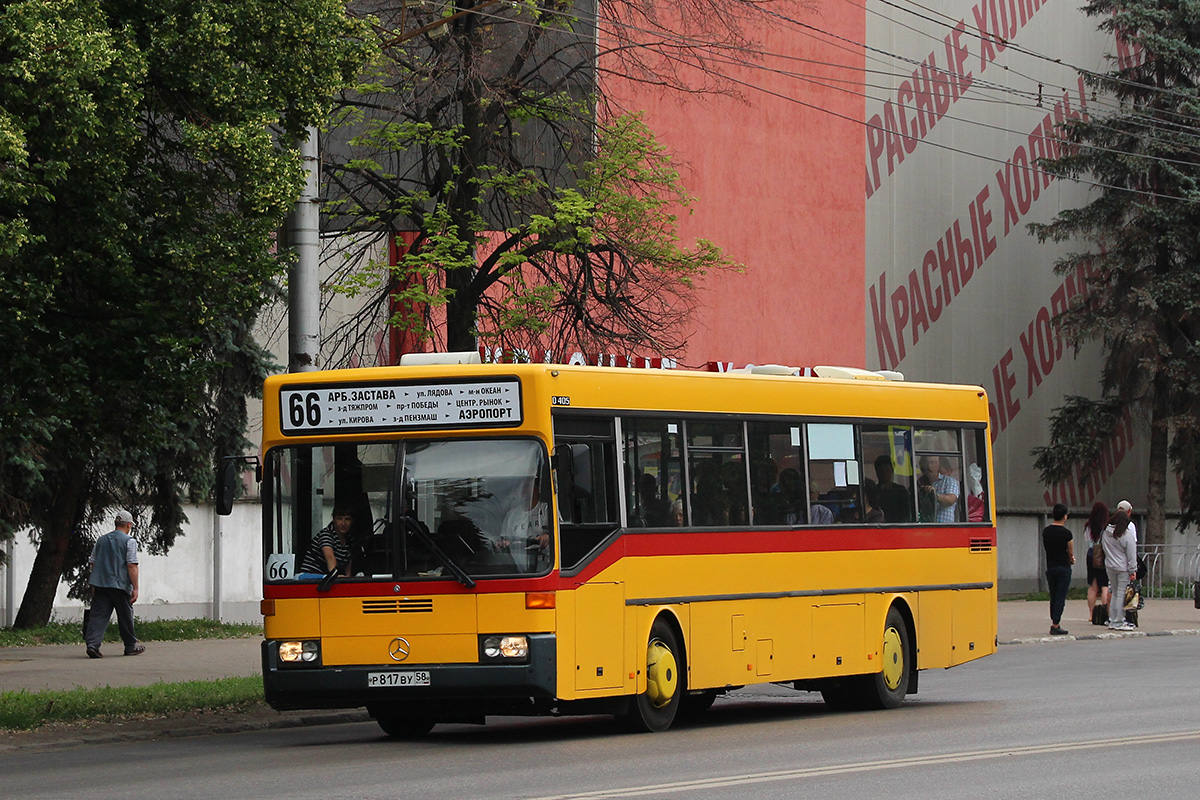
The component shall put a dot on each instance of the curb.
(1108, 635)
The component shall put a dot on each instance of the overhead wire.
(858, 49)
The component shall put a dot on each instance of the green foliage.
(26, 710)
(1137, 235)
(145, 164)
(1078, 430)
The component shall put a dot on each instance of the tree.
(534, 209)
(144, 167)
(1141, 299)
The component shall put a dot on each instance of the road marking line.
(869, 766)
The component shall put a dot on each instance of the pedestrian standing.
(114, 582)
(1120, 560)
(1097, 576)
(1060, 556)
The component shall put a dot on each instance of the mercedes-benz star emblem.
(399, 649)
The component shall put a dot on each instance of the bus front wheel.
(654, 709)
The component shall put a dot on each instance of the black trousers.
(1058, 579)
(104, 602)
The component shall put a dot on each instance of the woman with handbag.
(1097, 576)
(1120, 560)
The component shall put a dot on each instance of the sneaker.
(1125, 626)
(136, 650)
(1057, 631)
(93, 653)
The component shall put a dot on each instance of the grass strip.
(26, 710)
(158, 630)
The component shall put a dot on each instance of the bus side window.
(975, 477)
(653, 473)
(940, 476)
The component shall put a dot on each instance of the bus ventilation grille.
(397, 606)
(981, 545)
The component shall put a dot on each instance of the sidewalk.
(1023, 622)
(66, 666)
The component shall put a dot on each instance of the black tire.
(887, 688)
(654, 709)
(400, 723)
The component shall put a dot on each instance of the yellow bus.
(449, 541)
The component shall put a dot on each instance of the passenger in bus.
(975, 504)
(938, 491)
(767, 502)
(733, 478)
(818, 514)
(872, 515)
(330, 548)
(655, 511)
(895, 501)
(791, 498)
(710, 500)
(677, 513)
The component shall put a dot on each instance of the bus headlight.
(299, 652)
(510, 647)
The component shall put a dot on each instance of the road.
(1060, 720)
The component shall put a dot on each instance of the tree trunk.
(1156, 481)
(66, 515)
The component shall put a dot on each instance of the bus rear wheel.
(403, 723)
(887, 688)
(654, 709)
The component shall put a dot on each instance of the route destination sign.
(396, 406)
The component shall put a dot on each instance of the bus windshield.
(411, 509)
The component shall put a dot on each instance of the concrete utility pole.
(304, 280)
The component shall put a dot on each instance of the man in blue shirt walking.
(114, 582)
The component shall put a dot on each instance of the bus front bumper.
(289, 687)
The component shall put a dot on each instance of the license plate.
(417, 678)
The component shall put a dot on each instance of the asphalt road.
(1116, 718)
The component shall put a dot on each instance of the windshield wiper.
(422, 533)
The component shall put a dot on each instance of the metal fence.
(1168, 566)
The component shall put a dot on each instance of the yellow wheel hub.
(893, 658)
(662, 674)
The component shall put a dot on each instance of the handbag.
(1133, 597)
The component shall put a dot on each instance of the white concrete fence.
(214, 571)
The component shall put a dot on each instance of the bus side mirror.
(228, 479)
(573, 466)
(564, 467)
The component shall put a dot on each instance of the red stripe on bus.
(745, 541)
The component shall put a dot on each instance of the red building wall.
(777, 177)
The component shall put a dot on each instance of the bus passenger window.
(833, 479)
(887, 455)
(939, 489)
(975, 478)
(776, 485)
(653, 473)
